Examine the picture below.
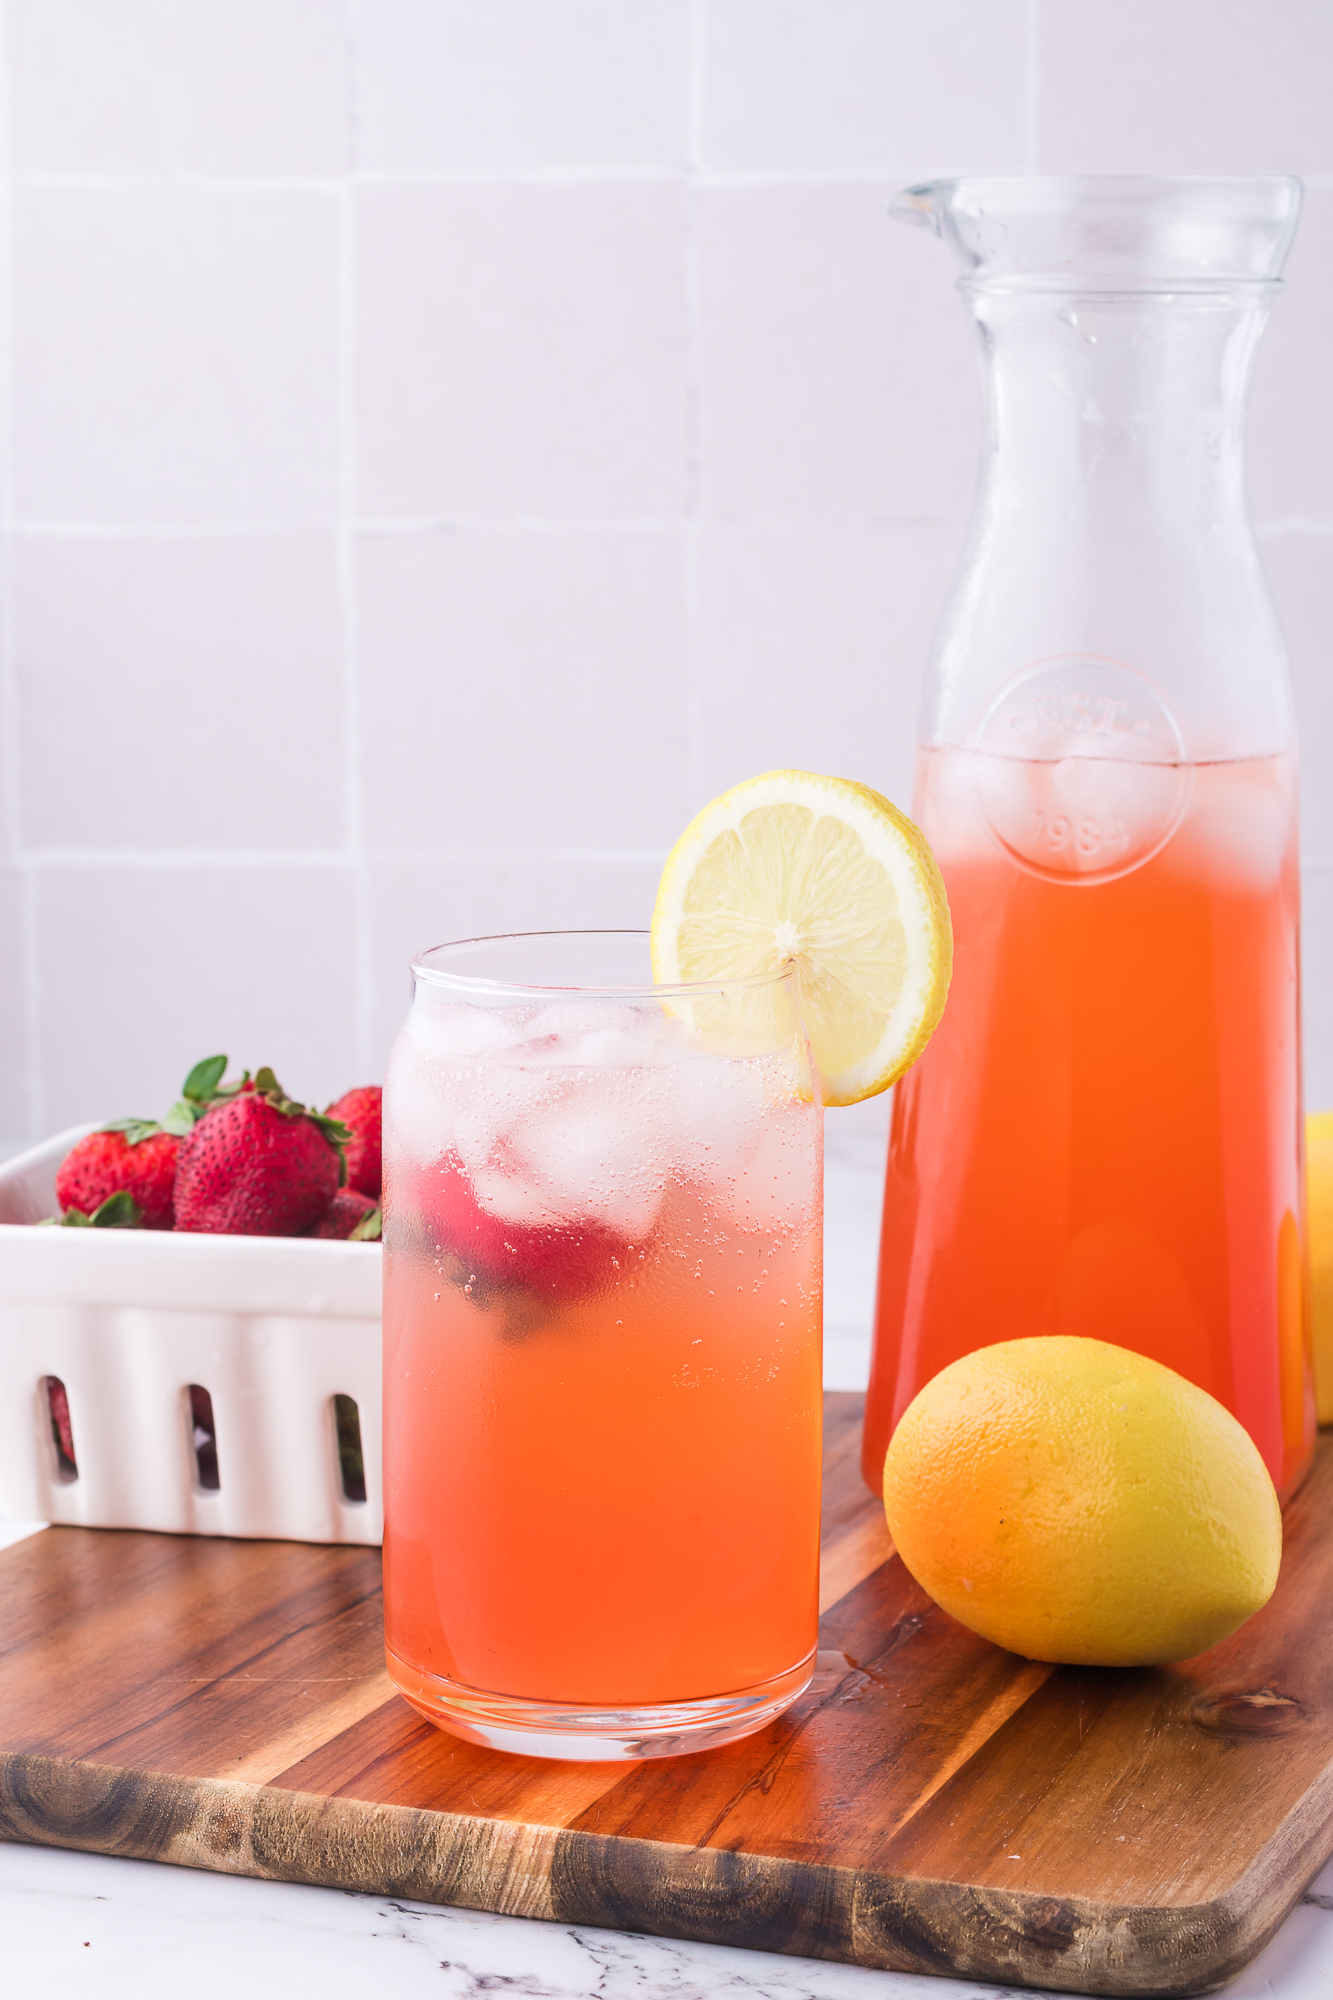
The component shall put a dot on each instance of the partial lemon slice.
(791, 868)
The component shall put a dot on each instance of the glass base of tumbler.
(596, 1735)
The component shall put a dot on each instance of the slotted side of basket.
(205, 1376)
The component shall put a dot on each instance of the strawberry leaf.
(337, 1135)
(369, 1229)
(182, 1118)
(202, 1082)
(134, 1129)
(268, 1087)
(333, 1129)
(119, 1211)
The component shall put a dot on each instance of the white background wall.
(445, 441)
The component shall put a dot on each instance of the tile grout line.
(38, 529)
(44, 860)
(371, 525)
(693, 663)
(9, 695)
(648, 524)
(332, 185)
(353, 802)
(887, 176)
(1031, 85)
(480, 524)
(41, 860)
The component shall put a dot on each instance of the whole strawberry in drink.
(259, 1164)
(133, 1157)
(359, 1110)
(557, 1262)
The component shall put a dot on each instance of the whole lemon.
(1075, 1502)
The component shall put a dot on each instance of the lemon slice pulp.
(826, 875)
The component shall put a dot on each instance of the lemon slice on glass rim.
(826, 875)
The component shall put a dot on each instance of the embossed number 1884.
(1088, 835)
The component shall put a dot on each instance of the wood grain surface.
(930, 1805)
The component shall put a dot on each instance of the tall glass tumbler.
(602, 1332)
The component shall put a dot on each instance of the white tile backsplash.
(178, 86)
(565, 646)
(147, 969)
(175, 355)
(206, 676)
(444, 441)
(457, 86)
(812, 638)
(521, 351)
(15, 1107)
(1192, 87)
(836, 369)
(870, 85)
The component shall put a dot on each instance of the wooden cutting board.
(931, 1805)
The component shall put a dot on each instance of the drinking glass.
(602, 1335)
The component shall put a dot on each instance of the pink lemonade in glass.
(602, 1322)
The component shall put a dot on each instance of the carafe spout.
(922, 206)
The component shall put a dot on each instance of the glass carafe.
(1105, 1135)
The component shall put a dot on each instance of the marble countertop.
(88, 1923)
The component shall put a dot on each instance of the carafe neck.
(1119, 317)
(1116, 410)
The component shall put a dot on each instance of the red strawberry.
(258, 1164)
(360, 1110)
(61, 1429)
(558, 1262)
(133, 1156)
(347, 1211)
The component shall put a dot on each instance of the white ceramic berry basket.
(280, 1332)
